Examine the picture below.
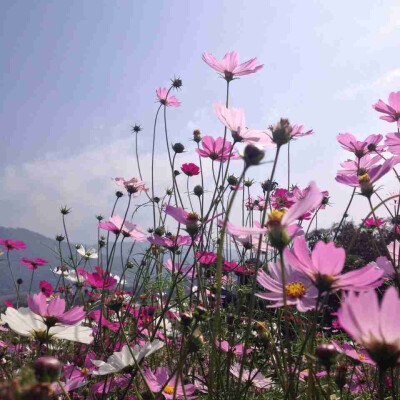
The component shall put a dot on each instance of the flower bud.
(200, 313)
(268, 185)
(136, 128)
(252, 155)
(176, 83)
(198, 190)
(178, 148)
(195, 342)
(186, 318)
(119, 194)
(47, 369)
(197, 135)
(232, 180)
(60, 238)
(160, 231)
(281, 132)
(326, 354)
(19, 281)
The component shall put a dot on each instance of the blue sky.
(76, 75)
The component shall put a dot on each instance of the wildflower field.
(231, 291)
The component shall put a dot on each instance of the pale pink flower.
(237, 349)
(297, 131)
(374, 326)
(117, 225)
(392, 110)
(325, 265)
(229, 67)
(360, 148)
(253, 377)
(134, 186)
(393, 142)
(359, 166)
(165, 99)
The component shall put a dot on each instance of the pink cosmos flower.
(133, 185)
(299, 289)
(234, 119)
(178, 268)
(280, 199)
(33, 263)
(206, 258)
(54, 311)
(253, 377)
(170, 241)
(157, 380)
(297, 131)
(367, 178)
(237, 349)
(360, 148)
(9, 244)
(360, 355)
(229, 266)
(372, 222)
(46, 288)
(165, 99)
(100, 279)
(190, 169)
(325, 265)
(392, 110)
(374, 326)
(393, 142)
(95, 315)
(356, 167)
(117, 225)
(229, 67)
(216, 149)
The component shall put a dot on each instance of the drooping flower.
(165, 99)
(26, 323)
(46, 288)
(234, 119)
(392, 110)
(374, 326)
(298, 287)
(360, 148)
(134, 186)
(190, 169)
(120, 360)
(325, 265)
(9, 244)
(87, 254)
(216, 149)
(117, 225)
(174, 389)
(33, 263)
(54, 312)
(253, 377)
(229, 67)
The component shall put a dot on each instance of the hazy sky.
(75, 75)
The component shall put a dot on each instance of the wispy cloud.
(389, 78)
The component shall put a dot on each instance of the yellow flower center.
(169, 389)
(363, 178)
(275, 216)
(295, 289)
(85, 371)
(361, 357)
(192, 216)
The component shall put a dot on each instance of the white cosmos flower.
(122, 359)
(90, 253)
(26, 323)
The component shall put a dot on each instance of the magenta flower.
(299, 289)
(234, 119)
(54, 311)
(360, 148)
(374, 326)
(392, 110)
(229, 67)
(190, 169)
(367, 179)
(393, 142)
(46, 288)
(9, 244)
(33, 263)
(206, 258)
(216, 149)
(325, 265)
(372, 222)
(280, 199)
(100, 279)
(165, 99)
(133, 186)
(157, 382)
